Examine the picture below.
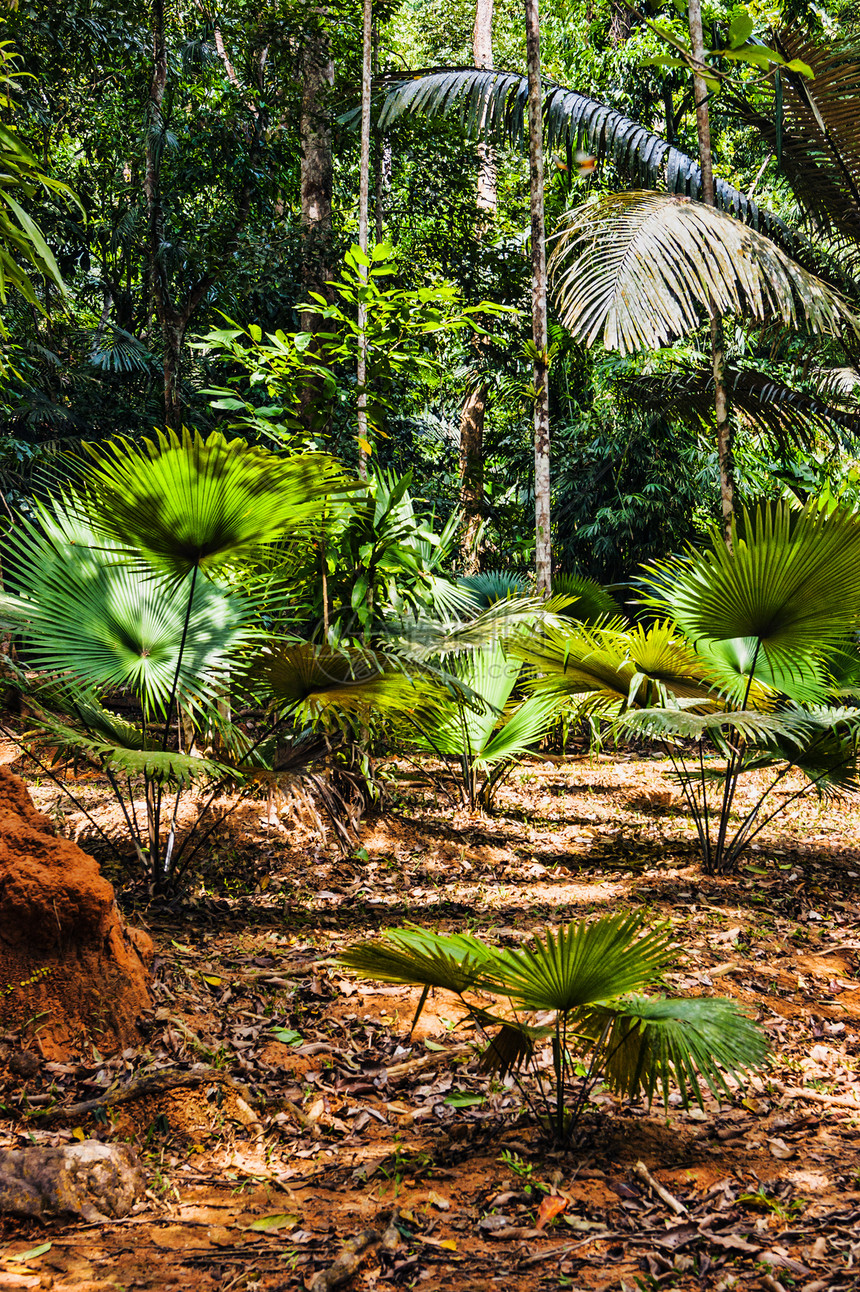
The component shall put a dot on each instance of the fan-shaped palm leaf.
(791, 581)
(631, 665)
(491, 586)
(425, 639)
(583, 963)
(186, 503)
(309, 680)
(590, 602)
(126, 757)
(640, 270)
(87, 611)
(456, 963)
(648, 1044)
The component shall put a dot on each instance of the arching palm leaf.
(638, 270)
(492, 105)
(784, 414)
(308, 681)
(816, 136)
(633, 666)
(648, 1044)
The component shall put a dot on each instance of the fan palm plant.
(130, 581)
(576, 990)
(746, 659)
(478, 724)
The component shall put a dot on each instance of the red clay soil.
(68, 965)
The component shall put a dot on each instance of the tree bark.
(725, 433)
(363, 224)
(172, 313)
(315, 131)
(472, 414)
(472, 475)
(316, 174)
(482, 52)
(540, 337)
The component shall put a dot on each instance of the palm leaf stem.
(734, 769)
(171, 835)
(132, 825)
(442, 757)
(156, 859)
(804, 789)
(220, 784)
(699, 815)
(179, 871)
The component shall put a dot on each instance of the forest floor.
(336, 1122)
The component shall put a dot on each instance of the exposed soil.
(335, 1121)
(66, 956)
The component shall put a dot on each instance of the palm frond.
(455, 963)
(492, 105)
(785, 414)
(119, 759)
(424, 639)
(639, 270)
(590, 602)
(633, 666)
(184, 502)
(790, 581)
(654, 1043)
(307, 680)
(88, 610)
(759, 728)
(491, 586)
(583, 963)
(525, 728)
(816, 135)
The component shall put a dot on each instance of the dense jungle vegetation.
(400, 404)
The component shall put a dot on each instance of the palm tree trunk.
(474, 407)
(725, 434)
(363, 214)
(543, 550)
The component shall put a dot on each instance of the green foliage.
(313, 372)
(481, 726)
(131, 581)
(585, 974)
(752, 646)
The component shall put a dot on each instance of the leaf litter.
(296, 1136)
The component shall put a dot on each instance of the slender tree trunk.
(363, 223)
(725, 434)
(152, 190)
(482, 52)
(315, 132)
(543, 548)
(472, 414)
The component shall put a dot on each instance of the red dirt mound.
(68, 966)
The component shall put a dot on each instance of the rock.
(96, 1182)
(69, 966)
